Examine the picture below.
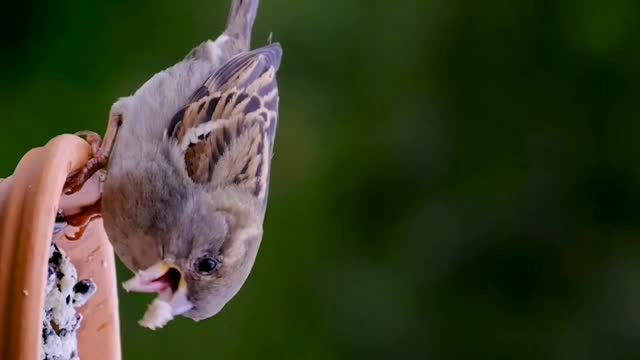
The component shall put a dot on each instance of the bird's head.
(205, 264)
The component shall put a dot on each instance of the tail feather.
(242, 15)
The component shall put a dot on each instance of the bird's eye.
(207, 265)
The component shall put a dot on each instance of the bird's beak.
(167, 281)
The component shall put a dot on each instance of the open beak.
(167, 281)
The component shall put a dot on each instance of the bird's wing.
(228, 129)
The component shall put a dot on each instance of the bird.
(188, 160)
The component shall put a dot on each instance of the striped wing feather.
(227, 131)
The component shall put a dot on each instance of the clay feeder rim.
(29, 200)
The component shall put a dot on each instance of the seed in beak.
(160, 278)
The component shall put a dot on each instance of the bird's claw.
(98, 160)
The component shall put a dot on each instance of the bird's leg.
(100, 150)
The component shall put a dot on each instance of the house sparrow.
(188, 159)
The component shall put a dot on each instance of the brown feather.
(228, 129)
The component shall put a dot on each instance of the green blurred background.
(452, 179)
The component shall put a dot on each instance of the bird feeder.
(30, 200)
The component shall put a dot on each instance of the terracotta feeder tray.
(30, 200)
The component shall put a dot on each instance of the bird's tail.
(240, 22)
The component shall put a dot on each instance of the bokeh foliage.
(451, 179)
